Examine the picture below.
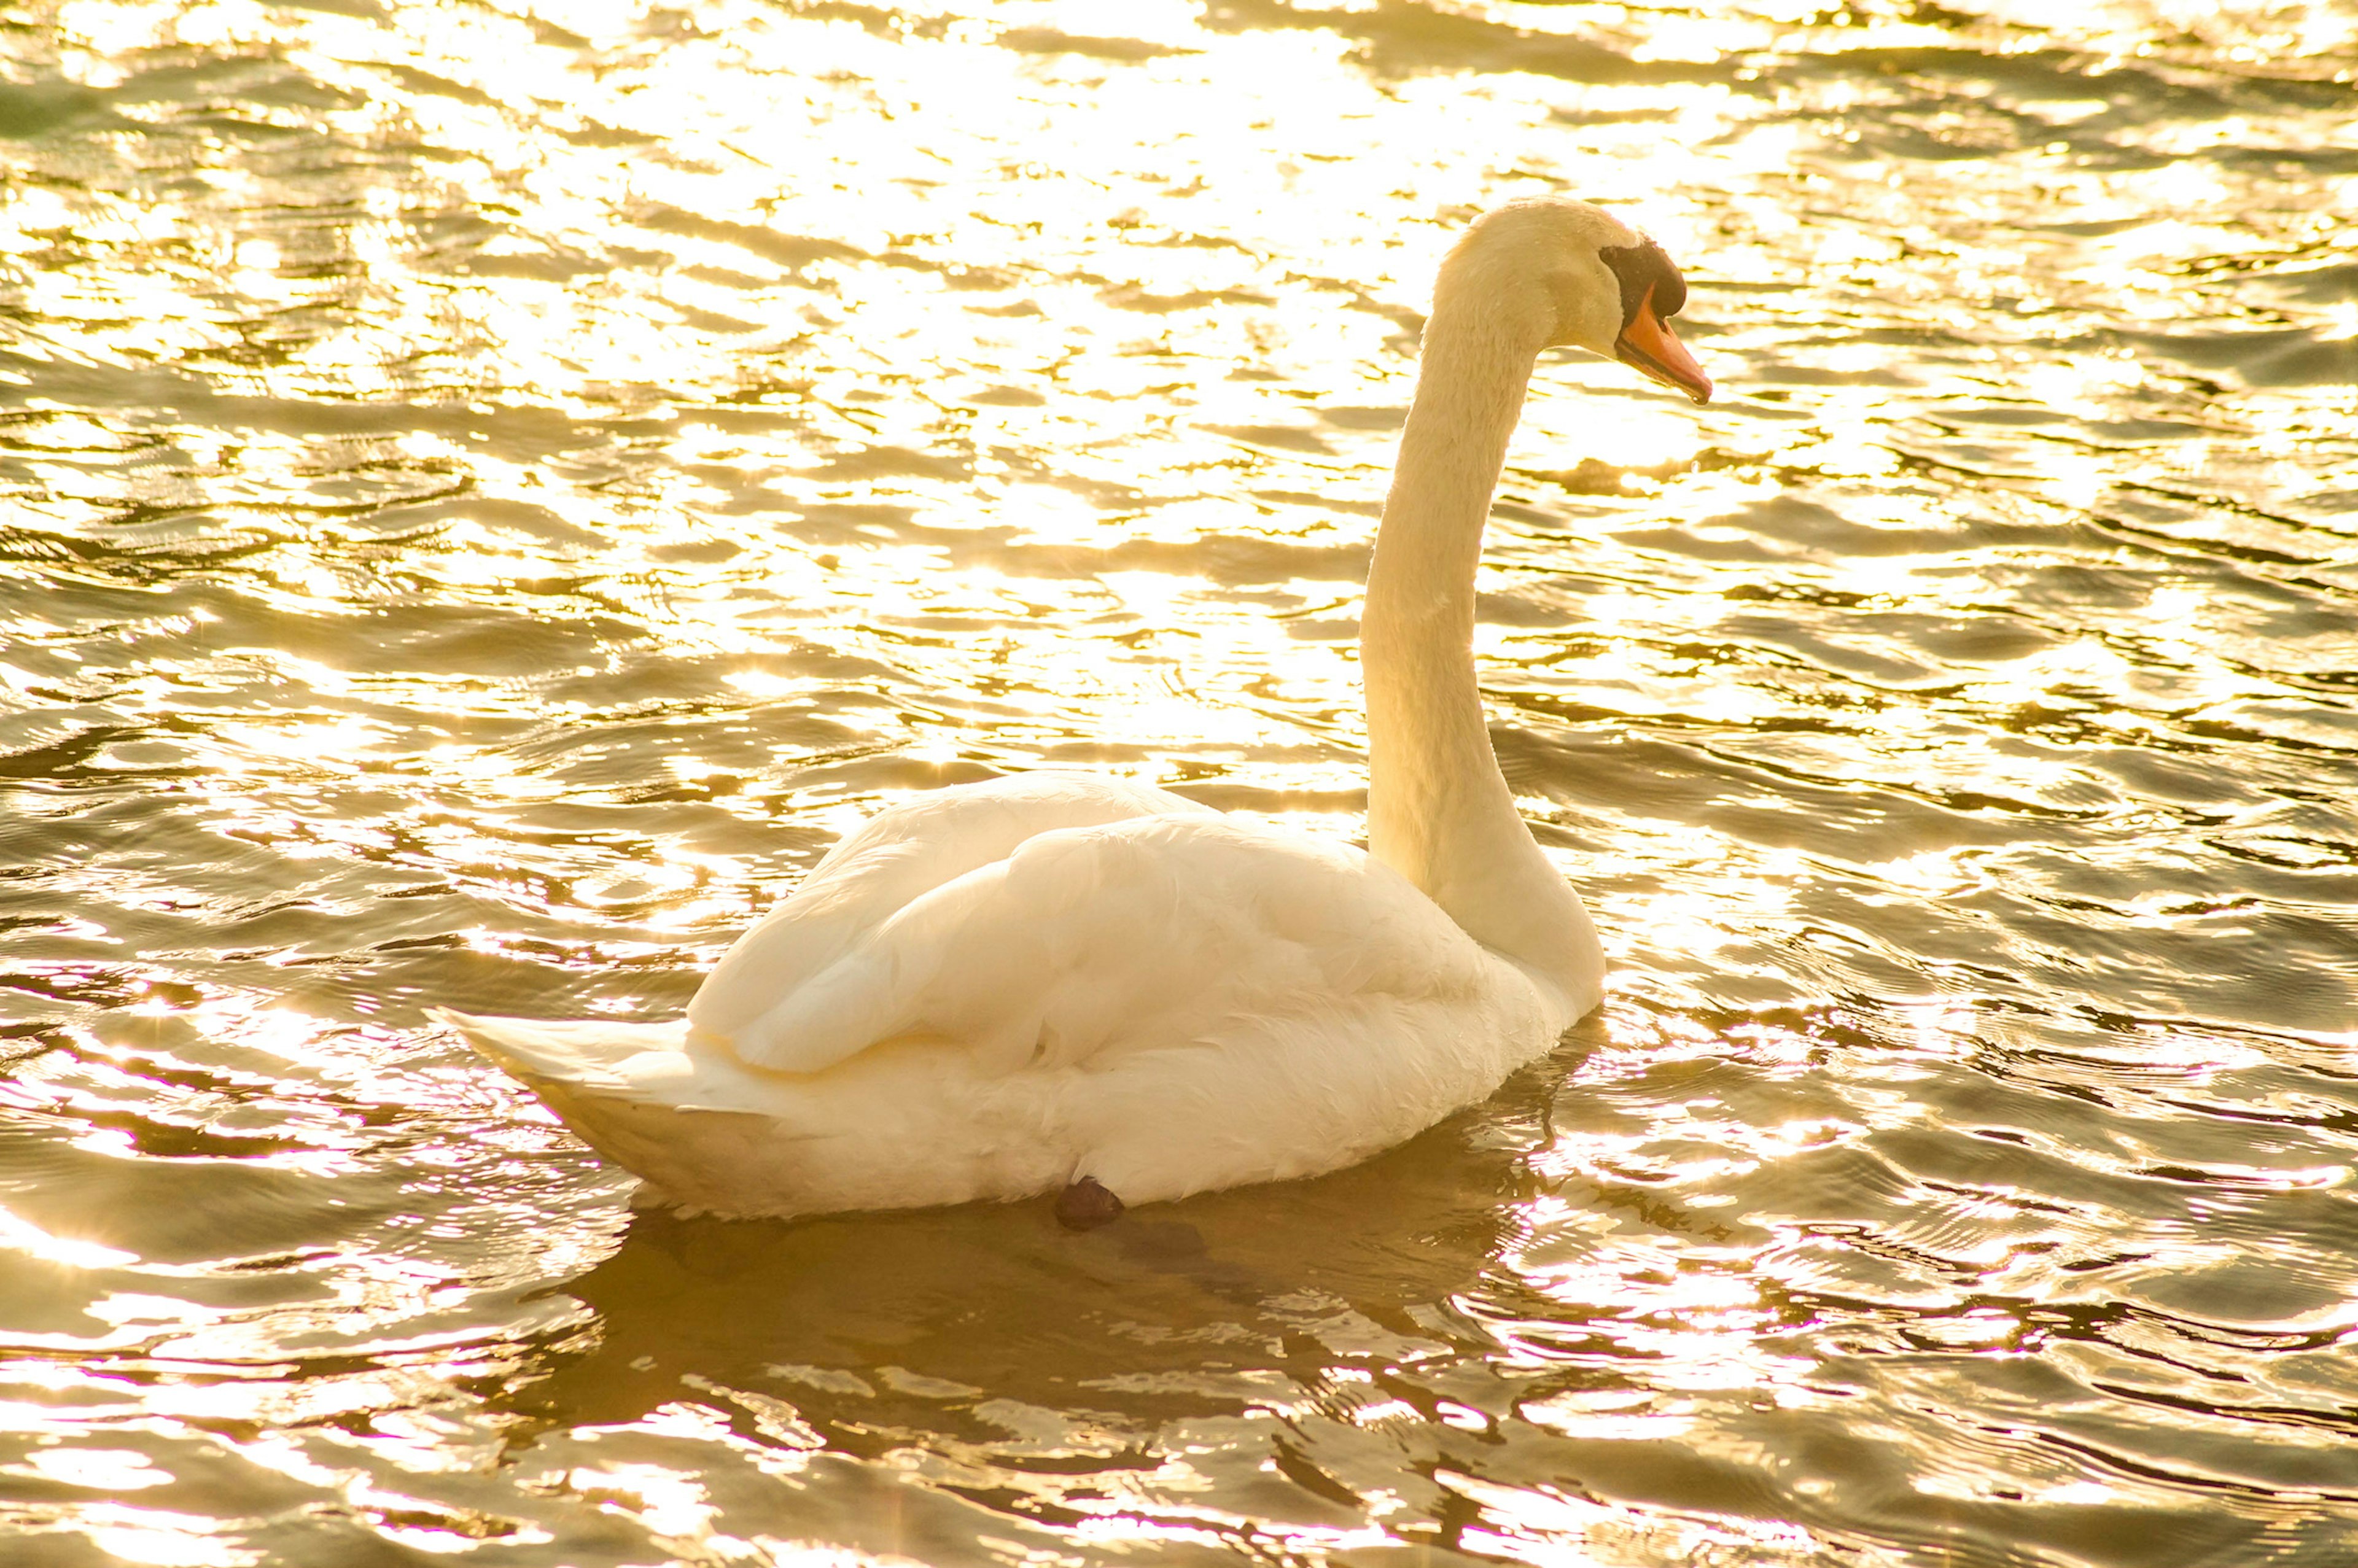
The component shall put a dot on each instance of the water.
(491, 493)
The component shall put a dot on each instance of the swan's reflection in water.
(1113, 1381)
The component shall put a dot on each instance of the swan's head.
(1563, 274)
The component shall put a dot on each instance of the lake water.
(492, 490)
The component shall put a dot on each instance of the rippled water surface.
(492, 489)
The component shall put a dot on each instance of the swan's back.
(892, 858)
(1177, 929)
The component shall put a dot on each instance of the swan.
(1062, 983)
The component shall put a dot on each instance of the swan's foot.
(1086, 1205)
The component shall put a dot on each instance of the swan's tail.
(591, 1055)
(633, 1093)
(708, 1134)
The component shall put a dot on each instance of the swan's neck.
(1439, 811)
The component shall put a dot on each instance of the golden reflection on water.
(496, 491)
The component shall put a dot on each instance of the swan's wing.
(898, 855)
(967, 820)
(1151, 931)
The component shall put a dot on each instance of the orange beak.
(1647, 344)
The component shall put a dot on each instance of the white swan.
(1059, 982)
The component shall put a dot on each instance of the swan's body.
(999, 991)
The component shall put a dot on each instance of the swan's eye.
(1646, 269)
(1670, 288)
